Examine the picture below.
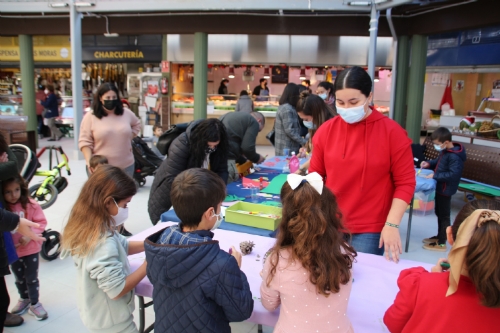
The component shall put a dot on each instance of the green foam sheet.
(276, 184)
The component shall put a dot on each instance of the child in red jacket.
(15, 194)
(465, 298)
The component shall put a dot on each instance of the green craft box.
(233, 216)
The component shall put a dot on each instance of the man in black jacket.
(242, 129)
(182, 156)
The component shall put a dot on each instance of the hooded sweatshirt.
(366, 165)
(448, 167)
(197, 287)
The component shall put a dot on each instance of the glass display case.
(220, 104)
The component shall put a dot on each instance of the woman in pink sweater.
(308, 271)
(109, 130)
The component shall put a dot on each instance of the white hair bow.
(314, 179)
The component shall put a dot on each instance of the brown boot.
(13, 320)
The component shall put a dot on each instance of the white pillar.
(76, 73)
(372, 52)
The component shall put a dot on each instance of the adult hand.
(425, 165)
(391, 240)
(25, 230)
(438, 268)
(4, 157)
(261, 159)
(236, 255)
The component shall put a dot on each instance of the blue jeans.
(367, 243)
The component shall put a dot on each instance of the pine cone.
(246, 247)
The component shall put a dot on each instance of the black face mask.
(209, 150)
(110, 104)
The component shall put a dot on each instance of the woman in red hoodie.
(367, 162)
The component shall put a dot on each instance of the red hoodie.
(366, 165)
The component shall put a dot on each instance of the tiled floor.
(57, 278)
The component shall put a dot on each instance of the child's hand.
(425, 165)
(236, 255)
(24, 241)
(430, 176)
(438, 268)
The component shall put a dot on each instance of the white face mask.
(352, 115)
(121, 216)
(323, 96)
(308, 124)
(218, 222)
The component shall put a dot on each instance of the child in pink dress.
(308, 271)
(17, 200)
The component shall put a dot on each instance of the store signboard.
(127, 53)
(40, 53)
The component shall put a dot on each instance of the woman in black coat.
(203, 145)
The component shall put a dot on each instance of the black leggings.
(4, 301)
(26, 273)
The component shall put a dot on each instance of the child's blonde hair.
(89, 221)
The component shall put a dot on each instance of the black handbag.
(270, 136)
(166, 139)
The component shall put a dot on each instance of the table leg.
(259, 328)
(410, 215)
(142, 319)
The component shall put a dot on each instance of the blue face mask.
(323, 96)
(308, 124)
(352, 115)
(438, 147)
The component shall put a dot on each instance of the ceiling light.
(359, 3)
(84, 4)
(58, 4)
(231, 72)
(377, 77)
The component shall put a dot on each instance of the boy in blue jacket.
(197, 286)
(448, 168)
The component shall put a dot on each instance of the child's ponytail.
(482, 259)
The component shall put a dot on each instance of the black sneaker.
(435, 247)
(52, 139)
(125, 232)
(429, 240)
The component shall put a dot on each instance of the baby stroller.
(146, 161)
(27, 163)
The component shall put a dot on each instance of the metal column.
(76, 73)
(200, 75)
(372, 52)
(416, 81)
(401, 80)
(28, 81)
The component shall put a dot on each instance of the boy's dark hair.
(193, 192)
(262, 80)
(243, 93)
(96, 160)
(441, 134)
(156, 126)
